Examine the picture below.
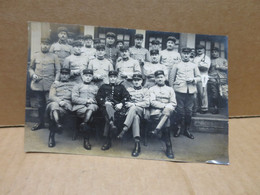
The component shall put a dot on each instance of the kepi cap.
(154, 52)
(200, 46)
(155, 42)
(100, 47)
(139, 36)
(110, 34)
(77, 43)
(137, 76)
(172, 38)
(112, 72)
(158, 72)
(88, 37)
(62, 29)
(45, 40)
(87, 71)
(65, 71)
(186, 50)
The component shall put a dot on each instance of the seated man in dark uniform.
(59, 103)
(84, 103)
(136, 109)
(111, 98)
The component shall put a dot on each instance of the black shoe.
(51, 142)
(38, 126)
(188, 134)
(169, 152)
(106, 146)
(215, 111)
(120, 136)
(203, 112)
(136, 150)
(86, 144)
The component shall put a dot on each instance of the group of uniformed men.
(73, 76)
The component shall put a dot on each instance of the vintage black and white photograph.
(129, 93)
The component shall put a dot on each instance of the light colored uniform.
(141, 99)
(169, 58)
(76, 64)
(126, 69)
(101, 69)
(139, 53)
(149, 69)
(61, 50)
(203, 61)
(82, 93)
(88, 52)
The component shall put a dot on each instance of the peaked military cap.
(154, 52)
(155, 42)
(186, 50)
(200, 47)
(88, 37)
(215, 49)
(45, 40)
(100, 47)
(139, 36)
(137, 76)
(124, 48)
(172, 38)
(77, 43)
(88, 71)
(110, 34)
(65, 71)
(96, 40)
(112, 72)
(62, 29)
(158, 72)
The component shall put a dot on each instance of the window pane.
(120, 37)
(216, 44)
(208, 45)
(222, 46)
(126, 43)
(102, 36)
(222, 54)
(127, 37)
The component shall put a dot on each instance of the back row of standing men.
(101, 59)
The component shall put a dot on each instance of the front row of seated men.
(85, 98)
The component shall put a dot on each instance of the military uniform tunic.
(60, 91)
(169, 58)
(76, 64)
(149, 69)
(81, 94)
(47, 67)
(112, 54)
(139, 53)
(88, 52)
(61, 50)
(101, 69)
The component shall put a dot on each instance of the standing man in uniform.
(203, 63)
(126, 67)
(163, 103)
(183, 79)
(61, 48)
(111, 98)
(151, 67)
(217, 78)
(88, 50)
(76, 62)
(100, 66)
(84, 103)
(44, 70)
(169, 57)
(71, 38)
(138, 52)
(136, 108)
(59, 104)
(111, 50)
(155, 45)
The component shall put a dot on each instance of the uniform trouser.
(213, 89)
(202, 97)
(109, 112)
(133, 119)
(41, 97)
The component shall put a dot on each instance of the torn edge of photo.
(128, 93)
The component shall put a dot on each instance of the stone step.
(204, 123)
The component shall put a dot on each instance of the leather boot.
(137, 149)
(86, 143)
(39, 125)
(120, 136)
(51, 142)
(187, 127)
(168, 143)
(107, 145)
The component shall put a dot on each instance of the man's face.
(88, 42)
(100, 53)
(215, 54)
(137, 82)
(119, 44)
(200, 51)
(45, 47)
(70, 40)
(110, 40)
(160, 79)
(112, 79)
(170, 45)
(64, 77)
(125, 54)
(155, 58)
(185, 56)
(138, 42)
(63, 36)
(87, 78)
(77, 50)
